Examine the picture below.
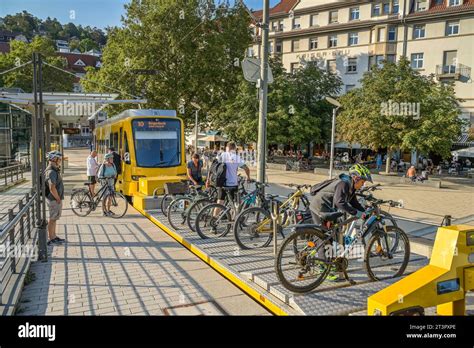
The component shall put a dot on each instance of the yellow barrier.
(442, 283)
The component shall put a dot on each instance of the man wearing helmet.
(55, 196)
(340, 194)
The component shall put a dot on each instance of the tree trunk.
(389, 159)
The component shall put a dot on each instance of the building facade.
(348, 37)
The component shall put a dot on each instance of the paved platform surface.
(125, 267)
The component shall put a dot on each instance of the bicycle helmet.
(52, 155)
(361, 171)
(108, 155)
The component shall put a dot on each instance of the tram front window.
(157, 143)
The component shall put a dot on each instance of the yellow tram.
(151, 145)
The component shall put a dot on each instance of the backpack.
(319, 186)
(217, 173)
(46, 186)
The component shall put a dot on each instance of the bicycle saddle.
(330, 216)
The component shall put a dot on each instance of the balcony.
(454, 72)
(382, 48)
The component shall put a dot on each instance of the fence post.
(6, 177)
(22, 222)
(12, 241)
(17, 172)
(28, 218)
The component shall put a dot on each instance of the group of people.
(109, 170)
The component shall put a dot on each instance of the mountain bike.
(307, 256)
(253, 227)
(194, 190)
(114, 204)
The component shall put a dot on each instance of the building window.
(295, 45)
(438, 2)
(378, 60)
(419, 31)
(454, 2)
(391, 58)
(332, 41)
(449, 62)
(250, 52)
(270, 47)
(314, 20)
(392, 34)
(333, 17)
(421, 5)
(376, 10)
(79, 63)
(349, 87)
(371, 62)
(313, 43)
(380, 34)
(395, 7)
(353, 39)
(452, 28)
(417, 60)
(331, 66)
(354, 13)
(279, 47)
(296, 22)
(293, 67)
(351, 65)
(386, 8)
(274, 26)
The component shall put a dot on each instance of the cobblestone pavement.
(124, 267)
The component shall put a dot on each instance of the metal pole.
(333, 135)
(34, 142)
(48, 132)
(196, 130)
(42, 239)
(263, 84)
(61, 147)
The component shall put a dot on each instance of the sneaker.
(58, 240)
(105, 213)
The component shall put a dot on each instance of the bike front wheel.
(165, 202)
(115, 205)
(177, 212)
(253, 228)
(194, 210)
(81, 203)
(214, 220)
(382, 260)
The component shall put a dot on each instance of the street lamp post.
(337, 105)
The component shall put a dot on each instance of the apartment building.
(349, 37)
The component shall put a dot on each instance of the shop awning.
(463, 140)
(212, 138)
(346, 145)
(469, 152)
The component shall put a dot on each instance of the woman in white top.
(92, 167)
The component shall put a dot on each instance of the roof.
(283, 7)
(72, 58)
(468, 4)
(4, 47)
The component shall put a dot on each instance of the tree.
(398, 108)
(87, 45)
(21, 52)
(22, 23)
(296, 114)
(193, 44)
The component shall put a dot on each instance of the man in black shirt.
(117, 162)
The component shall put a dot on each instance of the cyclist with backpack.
(224, 170)
(108, 172)
(339, 194)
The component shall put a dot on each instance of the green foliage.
(27, 24)
(363, 118)
(191, 43)
(297, 113)
(20, 53)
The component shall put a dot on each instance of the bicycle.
(114, 204)
(307, 255)
(253, 227)
(216, 220)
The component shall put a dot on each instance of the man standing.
(379, 161)
(117, 163)
(92, 167)
(54, 194)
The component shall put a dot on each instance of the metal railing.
(15, 237)
(11, 174)
(453, 70)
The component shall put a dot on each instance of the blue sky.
(99, 13)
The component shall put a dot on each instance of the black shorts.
(92, 179)
(221, 192)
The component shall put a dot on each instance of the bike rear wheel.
(177, 212)
(301, 264)
(381, 260)
(253, 228)
(118, 205)
(81, 203)
(213, 221)
(165, 202)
